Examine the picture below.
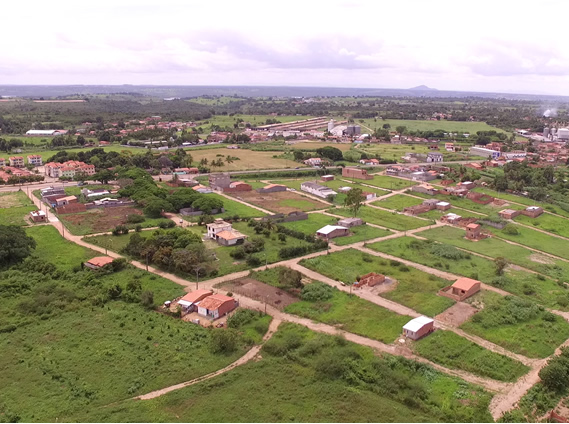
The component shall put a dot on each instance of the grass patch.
(450, 350)
(390, 183)
(15, 208)
(361, 233)
(387, 219)
(232, 208)
(397, 202)
(547, 222)
(537, 240)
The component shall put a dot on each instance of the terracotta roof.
(196, 295)
(214, 301)
(230, 235)
(465, 283)
(473, 226)
(100, 261)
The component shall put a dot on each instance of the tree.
(207, 204)
(155, 207)
(147, 299)
(401, 129)
(386, 126)
(15, 245)
(290, 277)
(330, 152)
(354, 200)
(104, 176)
(223, 340)
(500, 263)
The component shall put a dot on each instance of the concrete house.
(509, 213)
(461, 289)
(35, 160)
(190, 301)
(425, 188)
(217, 226)
(98, 262)
(371, 279)
(63, 201)
(419, 327)
(434, 157)
(316, 189)
(313, 161)
(327, 177)
(532, 211)
(329, 232)
(360, 174)
(272, 188)
(473, 231)
(443, 206)
(17, 161)
(230, 238)
(38, 216)
(219, 181)
(216, 306)
(350, 222)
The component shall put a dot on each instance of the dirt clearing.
(260, 291)
(457, 314)
(281, 202)
(541, 259)
(101, 220)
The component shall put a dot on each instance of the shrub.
(511, 229)
(446, 251)
(241, 317)
(316, 292)
(223, 340)
(253, 261)
(167, 224)
(134, 218)
(147, 299)
(238, 253)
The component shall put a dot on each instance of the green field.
(308, 377)
(387, 182)
(537, 240)
(352, 314)
(15, 208)
(447, 126)
(450, 350)
(314, 222)
(361, 233)
(232, 208)
(517, 325)
(76, 190)
(415, 289)
(546, 222)
(397, 202)
(383, 218)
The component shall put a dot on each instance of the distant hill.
(423, 88)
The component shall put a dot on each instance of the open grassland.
(450, 350)
(114, 243)
(544, 291)
(383, 218)
(506, 196)
(76, 190)
(517, 325)
(247, 159)
(15, 208)
(255, 120)
(418, 125)
(397, 202)
(303, 376)
(385, 181)
(361, 233)
(537, 240)
(494, 247)
(413, 288)
(232, 209)
(353, 314)
(314, 145)
(280, 202)
(546, 222)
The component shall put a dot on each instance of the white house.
(317, 189)
(217, 226)
(313, 161)
(434, 157)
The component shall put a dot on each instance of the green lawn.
(15, 208)
(385, 218)
(397, 202)
(415, 289)
(361, 233)
(517, 325)
(314, 222)
(424, 125)
(114, 243)
(292, 383)
(232, 208)
(450, 350)
(387, 182)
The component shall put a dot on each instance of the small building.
(509, 213)
(230, 237)
(451, 218)
(216, 306)
(316, 189)
(434, 157)
(191, 300)
(532, 211)
(98, 262)
(360, 174)
(217, 226)
(272, 188)
(443, 206)
(332, 231)
(327, 178)
(238, 186)
(38, 216)
(350, 222)
(473, 231)
(313, 161)
(371, 279)
(344, 189)
(35, 160)
(467, 184)
(219, 181)
(63, 201)
(419, 327)
(202, 189)
(461, 289)
(425, 188)
(368, 195)
(2, 162)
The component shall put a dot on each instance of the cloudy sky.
(498, 45)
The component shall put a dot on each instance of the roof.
(443, 203)
(196, 295)
(230, 235)
(473, 226)
(509, 211)
(218, 224)
(329, 228)
(215, 301)
(417, 323)
(274, 185)
(37, 213)
(532, 208)
(66, 198)
(465, 284)
(100, 261)
(350, 220)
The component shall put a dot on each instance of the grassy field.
(387, 182)
(114, 243)
(314, 145)
(15, 208)
(517, 325)
(537, 240)
(232, 208)
(494, 247)
(76, 190)
(292, 385)
(468, 204)
(247, 159)
(451, 350)
(547, 222)
(397, 202)
(384, 218)
(361, 233)
(447, 126)
(415, 289)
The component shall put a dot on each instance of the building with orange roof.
(17, 161)
(272, 188)
(190, 301)
(35, 160)
(216, 306)
(461, 289)
(473, 231)
(98, 262)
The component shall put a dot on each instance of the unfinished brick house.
(479, 198)
(360, 174)
(509, 213)
(474, 232)
(532, 211)
(371, 279)
(462, 289)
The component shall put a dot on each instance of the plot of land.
(280, 202)
(260, 291)
(15, 208)
(457, 314)
(387, 182)
(397, 202)
(537, 240)
(547, 222)
(383, 218)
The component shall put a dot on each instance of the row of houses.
(68, 169)
(7, 172)
(18, 161)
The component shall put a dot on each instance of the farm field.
(494, 247)
(413, 288)
(383, 218)
(290, 389)
(280, 202)
(15, 208)
(449, 349)
(518, 325)
(447, 126)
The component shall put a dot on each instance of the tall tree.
(354, 200)
(15, 245)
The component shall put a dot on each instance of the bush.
(138, 228)
(446, 251)
(147, 299)
(511, 229)
(223, 341)
(134, 218)
(253, 261)
(316, 292)
(238, 253)
(167, 224)
(242, 317)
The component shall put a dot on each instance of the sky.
(490, 46)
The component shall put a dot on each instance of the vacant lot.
(516, 324)
(450, 350)
(397, 202)
(280, 202)
(246, 159)
(537, 240)
(423, 125)
(15, 208)
(547, 222)
(383, 218)
(387, 182)
(415, 289)
(260, 291)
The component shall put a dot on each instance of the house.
(272, 188)
(484, 152)
(202, 189)
(393, 169)
(344, 189)
(313, 161)
(62, 201)
(360, 174)
(216, 306)
(332, 231)
(327, 177)
(38, 216)
(191, 300)
(230, 238)
(434, 157)
(532, 211)
(451, 218)
(419, 327)
(2, 162)
(369, 162)
(17, 161)
(98, 262)
(316, 189)
(217, 226)
(94, 193)
(371, 279)
(509, 213)
(238, 186)
(473, 231)
(35, 160)
(443, 206)
(68, 169)
(474, 165)
(449, 147)
(467, 184)
(219, 181)
(350, 222)
(425, 188)
(461, 289)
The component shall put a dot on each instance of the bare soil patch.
(387, 286)
(457, 314)
(280, 202)
(262, 292)
(541, 259)
(102, 220)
